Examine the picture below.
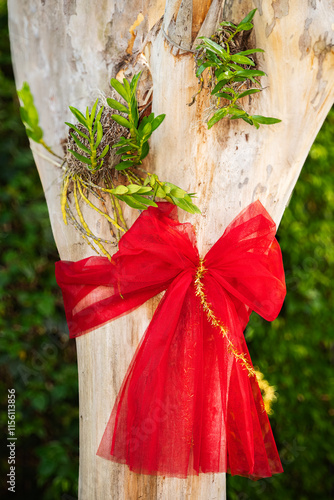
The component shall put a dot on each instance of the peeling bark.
(68, 51)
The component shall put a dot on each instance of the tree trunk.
(67, 51)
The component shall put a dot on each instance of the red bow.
(189, 402)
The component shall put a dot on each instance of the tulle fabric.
(186, 405)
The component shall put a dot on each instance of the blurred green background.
(295, 352)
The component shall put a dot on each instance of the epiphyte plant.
(105, 155)
(135, 147)
(231, 73)
(93, 135)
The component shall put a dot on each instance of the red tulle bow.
(189, 402)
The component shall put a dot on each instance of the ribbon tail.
(251, 446)
(151, 427)
(251, 449)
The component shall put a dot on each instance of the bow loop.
(151, 255)
(247, 262)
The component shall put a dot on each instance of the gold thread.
(216, 322)
(268, 392)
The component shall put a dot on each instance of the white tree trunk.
(67, 50)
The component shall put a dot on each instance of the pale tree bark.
(67, 50)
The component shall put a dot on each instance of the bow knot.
(192, 365)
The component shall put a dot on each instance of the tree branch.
(211, 21)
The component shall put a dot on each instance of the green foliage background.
(295, 352)
(36, 357)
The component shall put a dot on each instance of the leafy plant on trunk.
(230, 74)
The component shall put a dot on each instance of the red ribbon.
(187, 404)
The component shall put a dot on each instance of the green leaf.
(123, 150)
(229, 90)
(244, 27)
(142, 125)
(228, 24)
(134, 82)
(160, 192)
(123, 165)
(79, 116)
(120, 89)
(134, 111)
(265, 120)
(93, 112)
(133, 188)
(117, 105)
(97, 119)
(126, 157)
(242, 79)
(127, 87)
(145, 150)
(234, 67)
(121, 121)
(250, 73)
(146, 120)
(36, 134)
(242, 60)
(79, 144)
(221, 113)
(78, 131)
(248, 92)
(186, 205)
(150, 117)
(89, 121)
(99, 135)
(248, 119)
(147, 130)
(157, 122)
(81, 158)
(248, 18)
(121, 142)
(99, 114)
(220, 70)
(233, 110)
(213, 59)
(153, 179)
(177, 192)
(29, 114)
(120, 190)
(250, 51)
(214, 47)
(146, 201)
(201, 68)
(219, 86)
(145, 190)
(129, 200)
(225, 96)
(126, 142)
(104, 152)
(227, 75)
